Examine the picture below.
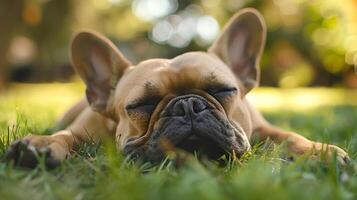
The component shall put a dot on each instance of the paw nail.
(346, 159)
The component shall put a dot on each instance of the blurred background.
(309, 42)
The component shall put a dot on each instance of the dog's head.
(193, 101)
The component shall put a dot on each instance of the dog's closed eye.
(146, 105)
(225, 92)
(140, 107)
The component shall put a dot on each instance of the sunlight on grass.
(57, 97)
(301, 99)
(27, 98)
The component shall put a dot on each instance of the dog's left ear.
(240, 46)
(100, 65)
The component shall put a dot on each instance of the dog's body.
(195, 101)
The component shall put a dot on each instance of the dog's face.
(188, 101)
(193, 101)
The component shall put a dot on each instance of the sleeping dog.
(195, 101)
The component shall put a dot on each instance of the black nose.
(189, 106)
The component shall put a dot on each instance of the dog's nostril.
(197, 105)
(179, 109)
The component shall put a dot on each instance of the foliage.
(308, 41)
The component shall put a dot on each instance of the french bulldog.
(195, 101)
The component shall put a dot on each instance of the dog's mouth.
(207, 145)
(192, 124)
(202, 147)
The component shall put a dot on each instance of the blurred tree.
(10, 21)
(305, 45)
(35, 38)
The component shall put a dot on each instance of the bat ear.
(99, 64)
(241, 44)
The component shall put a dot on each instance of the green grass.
(99, 172)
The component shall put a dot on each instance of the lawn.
(99, 172)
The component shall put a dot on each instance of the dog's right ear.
(100, 65)
(241, 45)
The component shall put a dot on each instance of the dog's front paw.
(328, 151)
(29, 151)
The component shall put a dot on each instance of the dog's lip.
(233, 145)
(216, 145)
(206, 146)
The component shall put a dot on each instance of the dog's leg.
(88, 126)
(71, 115)
(296, 143)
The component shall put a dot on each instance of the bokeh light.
(149, 10)
(207, 29)
(179, 30)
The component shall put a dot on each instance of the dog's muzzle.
(191, 123)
